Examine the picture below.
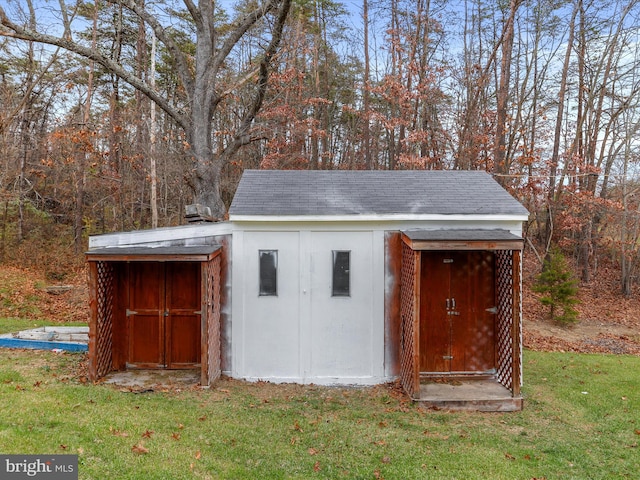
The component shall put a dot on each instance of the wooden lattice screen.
(102, 315)
(508, 328)
(409, 375)
(212, 268)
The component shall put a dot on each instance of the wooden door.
(457, 315)
(145, 315)
(163, 315)
(183, 303)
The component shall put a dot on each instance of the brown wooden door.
(457, 320)
(183, 315)
(163, 315)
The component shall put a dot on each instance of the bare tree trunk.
(366, 128)
(501, 163)
(3, 238)
(81, 172)
(555, 155)
(152, 139)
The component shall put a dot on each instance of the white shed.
(358, 277)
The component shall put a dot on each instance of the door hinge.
(492, 310)
(131, 312)
(447, 260)
(447, 357)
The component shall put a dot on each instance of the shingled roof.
(379, 192)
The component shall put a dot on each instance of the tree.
(200, 73)
(558, 288)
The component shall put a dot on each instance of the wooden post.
(93, 319)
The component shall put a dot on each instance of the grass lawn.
(580, 421)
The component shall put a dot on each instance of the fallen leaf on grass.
(198, 455)
(147, 434)
(508, 456)
(118, 433)
(139, 449)
(313, 451)
(637, 431)
(386, 459)
(175, 436)
(316, 466)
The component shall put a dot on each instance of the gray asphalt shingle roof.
(379, 192)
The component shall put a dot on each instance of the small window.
(268, 272)
(341, 268)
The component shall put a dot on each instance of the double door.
(163, 315)
(457, 312)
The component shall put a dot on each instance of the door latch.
(492, 310)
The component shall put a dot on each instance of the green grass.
(580, 421)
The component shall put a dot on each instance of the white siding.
(266, 329)
(342, 327)
(305, 334)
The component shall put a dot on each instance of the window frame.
(267, 286)
(340, 286)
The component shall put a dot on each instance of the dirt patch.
(608, 322)
(587, 336)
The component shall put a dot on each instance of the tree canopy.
(117, 112)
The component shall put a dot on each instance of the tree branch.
(195, 14)
(244, 25)
(178, 55)
(242, 138)
(14, 30)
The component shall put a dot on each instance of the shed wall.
(305, 334)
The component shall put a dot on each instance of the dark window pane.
(268, 272)
(341, 266)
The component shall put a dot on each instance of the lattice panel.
(517, 283)
(504, 327)
(407, 311)
(104, 320)
(213, 319)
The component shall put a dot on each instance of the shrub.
(558, 288)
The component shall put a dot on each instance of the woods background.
(116, 114)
